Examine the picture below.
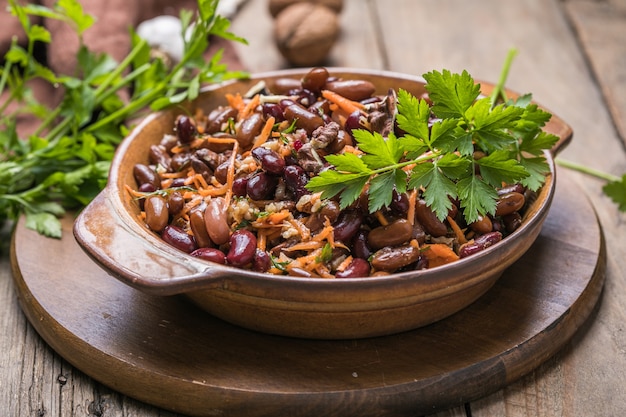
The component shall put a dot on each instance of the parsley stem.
(499, 91)
(49, 119)
(121, 67)
(125, 81)
(586, 170)
(399, 165)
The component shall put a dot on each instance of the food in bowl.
(113, 232)
(322, 177)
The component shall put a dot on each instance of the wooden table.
(571, 57)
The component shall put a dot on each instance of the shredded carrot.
(265, 132)
(235, 101)
(278, 217)
(132, 192)
(177, 149)
(249, 107)
(307, 246)
(381, 218)
(457, 230)
(304, 231)
(349, 106)
(322, 271)
(344, 264)
(410, 213)
(439, 254)
(166, 183)
(325, 233)
(179, 174)
(200, 182)
(261, 240)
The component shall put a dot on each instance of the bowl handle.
(122, 251)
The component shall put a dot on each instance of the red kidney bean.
(157, 214)
(347, 224)
(262, 261)
(180, 161)
(185, 129)
(418, 233)
(480, 243)
(391, 259)
(482, 225)
(320, 107)
(242, 248)
(315, 79)
(145, 175)
(221, 172)
(303, 118)
(429, 219)
(295, 179)
(175, 203)
(360, 247)
(399, 203)
(178, 238)
(273, 110)
(200, 167)
(354, 121)
(177, 182)
(512, 221)
(285, 85)
(210, 254)
(357, 268)
(306, 98)
(248, 129)
(356, 90)
(158, 156)
(216, 220)
(147, 188)
(509, 203)
(393, 234)
(261, 186)
(240, 186)
(270, 160)
(218, 117)
(198, 227)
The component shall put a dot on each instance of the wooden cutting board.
(166, 352)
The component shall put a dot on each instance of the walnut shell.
(276, 6)
(305, 32)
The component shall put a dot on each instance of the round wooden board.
(166, 352)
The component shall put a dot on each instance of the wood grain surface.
(164, 351)
(571, 57)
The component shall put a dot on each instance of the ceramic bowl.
(110, 232)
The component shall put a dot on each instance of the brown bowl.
(109, 231)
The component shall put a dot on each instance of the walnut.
(305, 32)
(276, 6)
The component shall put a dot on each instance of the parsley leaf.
(616, 190)
(437, 155)
(452, 94)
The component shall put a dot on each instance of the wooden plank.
(601, 30)
(550, 65)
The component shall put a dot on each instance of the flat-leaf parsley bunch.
(459, 146)
(65, 162)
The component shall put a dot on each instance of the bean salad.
(229, 186)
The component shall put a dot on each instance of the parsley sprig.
(65, 162)
(437, 151)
